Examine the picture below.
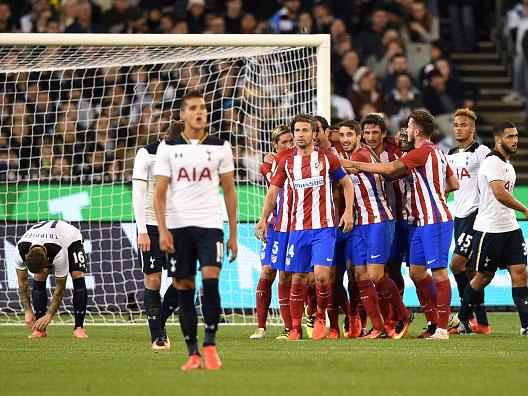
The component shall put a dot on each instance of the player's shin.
(520, 298)
(169, 304)
(263, 299)
(470, 298)
(297, 293)
(211, 310)
(333, 305)
(188, 320)
(369, 297)
(80, 299)
(39, 296)
(480, 311)
(152, 302)
(426, 292)
(444, 303)
(284, 304)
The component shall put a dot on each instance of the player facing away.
(431, 237)
(368, 245)
(51, 247)
(498, 239)
(193, 166)
(273, 252)
(152, 259)
(465, 160)
(312, 237)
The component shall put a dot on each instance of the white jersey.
(194, 169)
(465, 164)
(492, 215)
(144, 170)
(62, 241)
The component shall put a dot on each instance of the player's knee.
(519, 276)
(185, 284)
(299, 279)
(153, 281)
(210, 271)
(77, 274)
(440, 274)
(285, 277)
(417, 273)
(457, 264)
(267, 273)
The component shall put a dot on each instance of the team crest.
(273, 259)
(287, 261)
(262, 255)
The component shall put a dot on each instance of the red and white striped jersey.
(310, 180)
(430, 170)
(370, 201)
(394, 189)
(279, 219)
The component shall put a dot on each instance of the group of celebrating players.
(352, 199)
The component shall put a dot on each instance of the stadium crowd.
(387, 57)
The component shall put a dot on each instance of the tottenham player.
(152, 259)
(51, 247)
(465, 160)
(498, 241)
(194, 165)
(312, 236)
(431, 238)
(273, 251)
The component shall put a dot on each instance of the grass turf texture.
(117, 360)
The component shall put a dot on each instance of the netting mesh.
(72, 121)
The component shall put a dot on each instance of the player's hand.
(166, 242)
(29, 318)
(232, 249)
(347, 222)
(261, 230)
(42, 323)
(525, 213)
(269, 158)
(144, 242)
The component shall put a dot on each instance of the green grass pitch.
(117, 361)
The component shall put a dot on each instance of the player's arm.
(347, 220)
(505, 198)
(139, 190)
(23, 292)
(390, 170)
(452, 184)
(160, 204)
(56, 299)
(227, 181)
(261, 229)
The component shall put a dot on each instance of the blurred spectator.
(400, 101)
(8, 24)
(40, 9)
(437, 50)
(8, 165)
(323, 17)
(68, 13)
(248, 23)
(166, 24)
(516, 25)
(115, 20)
(398, 65)
(467, 91)
(365, 90)
(305, 23)
(344, 77)
(422, 27)
(438, 99)
(215, 25)
(83, 22)
(196, 16)
(462, 25)
(181, 27)
(61, 168)
(370, 41)
(392, 46)
(286, 19)
(341, 106)
(233, 16)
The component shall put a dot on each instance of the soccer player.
(194, 164)
(465, 160)
(273, 251)
(312, 236)
(152, 259)
(51, 247)
(498, 239)
(368, 246)
(431, 237)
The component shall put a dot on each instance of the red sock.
(263, 301)
(426, 291)
(323, 296)
(355, 299)
(284, 304)
(297, 305)
(369, 298)
(311, 300)
(363, 316)
(390, 293)
(343, 299)
(399, 281)
(384, 307)
(444, 302)
(333, 306)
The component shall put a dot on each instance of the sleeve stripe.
(138, 179)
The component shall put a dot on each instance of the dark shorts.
(77, 257)
(494, 251)
(192, 244)
(464, 235)
(154, 260)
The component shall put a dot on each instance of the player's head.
(304, 129)
(403, 141)
(281, 138)
(464, 124)
(374, 130)
(322, 135)
(36, 259)
(420, 125)
(193, 111)
(506, 136)
(173, 130)
(349, 135)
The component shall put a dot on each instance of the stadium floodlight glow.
(76, 107)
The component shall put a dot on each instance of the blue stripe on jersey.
(338, 174)
(433, 201)
(372, 179)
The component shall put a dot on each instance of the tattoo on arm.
(23, 291)
(58, 293)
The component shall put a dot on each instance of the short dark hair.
(424, 121)
(303, 118)
(190, 95)
(174, 129)
(352, 124)
(36, 259)
(323, 122)
(499, 127)
(374, 119)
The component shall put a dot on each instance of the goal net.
(76, 108)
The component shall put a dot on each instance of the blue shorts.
(430, 244)
(370, 243)
(307, 248)
(342, 240)
(265, 249)
(273, 252)
(399, 250)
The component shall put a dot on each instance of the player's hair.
(278, 131)
(304, 118)
(190, 95)
(174, 129)
(352, 124)
(466, 113)
(323, 122)
(424, 121)
(499, 127)
(36, 259)
(374, 119)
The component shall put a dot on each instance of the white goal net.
(75, 113)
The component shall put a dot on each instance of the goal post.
(75, 109)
